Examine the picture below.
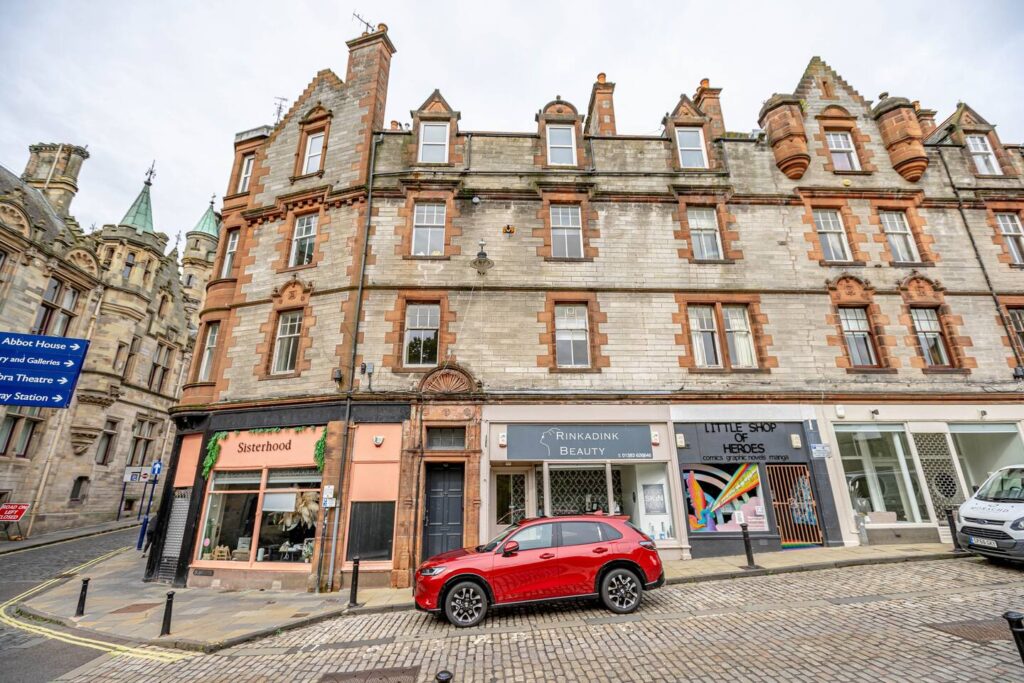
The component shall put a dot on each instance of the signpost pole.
(120, 504)
(138, 513)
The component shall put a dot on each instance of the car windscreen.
(1004, 486)
(496, 541)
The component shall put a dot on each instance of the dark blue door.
(442, 520)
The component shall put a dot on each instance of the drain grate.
(976, 630)
(402, 675)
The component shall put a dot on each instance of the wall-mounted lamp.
(481, 262)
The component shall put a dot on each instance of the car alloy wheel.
(466, 604)
(621, 591)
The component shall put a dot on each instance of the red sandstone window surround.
(420, 336)
(722, 333)
(314, 129)
(842, 143)
(572, 335)
(933, 328)
(860, 327)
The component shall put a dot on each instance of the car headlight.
(1017, 524)
(431, 571)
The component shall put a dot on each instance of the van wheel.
(621, 591)
(465, 604)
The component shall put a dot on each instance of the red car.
(580, 556)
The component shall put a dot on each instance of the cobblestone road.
(934, 621)
(27, 657)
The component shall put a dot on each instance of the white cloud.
(147, 80)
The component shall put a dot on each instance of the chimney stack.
(369, 66)
(601, 112)
(707, 99)
(925, 118)
(53, 170)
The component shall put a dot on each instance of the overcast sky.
(174, 81)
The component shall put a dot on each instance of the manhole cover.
(403, 675)
(137, 607)
(978, 630)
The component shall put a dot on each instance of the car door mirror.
(511, 548)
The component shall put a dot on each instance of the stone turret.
(197, 261)
(783, 119)
(901, 132)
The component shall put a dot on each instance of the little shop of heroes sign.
(579, 442)
(725, 442)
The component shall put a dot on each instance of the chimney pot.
(382, 27)
(395, 125)
(705, 83)
(601, 77)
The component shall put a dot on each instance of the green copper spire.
(209, 223)
(140, 214)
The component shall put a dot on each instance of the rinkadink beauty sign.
(579, 442)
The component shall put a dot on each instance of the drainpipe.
(1018, 372)
(53, 167)
(351, 370)
(58, 431)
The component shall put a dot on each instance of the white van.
(991, 522)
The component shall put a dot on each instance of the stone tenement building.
(116, 287)
(430, 332)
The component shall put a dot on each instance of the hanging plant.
(319, 449)
(212, 452)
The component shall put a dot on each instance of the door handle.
(547, 556)
(598, 551)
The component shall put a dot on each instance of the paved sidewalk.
(121, 606)
(39, 540)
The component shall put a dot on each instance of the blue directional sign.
(36, 370)
(157, 468)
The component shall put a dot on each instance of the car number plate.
(983, 542)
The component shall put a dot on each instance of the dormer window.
(691, 147)
(243, 179)
(434, 143)
(981, 153)
(314, 153)
(561, 145)
(844, 155)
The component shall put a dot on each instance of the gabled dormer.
(692, 130)
(838, 138)
(560, 127)
(435, 129)
(986, 155)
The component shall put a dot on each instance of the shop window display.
(715, 493)
(883, 481)
(281, 514)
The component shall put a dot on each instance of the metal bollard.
(444, 676)
(747, 547)
(165, 628)
(353, 589)
(1016, 621)
(80, 610)
(957, 548)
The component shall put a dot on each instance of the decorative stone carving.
(14, 218)
(82, 438)
(448, 379)
(84, 260)
(783, 119)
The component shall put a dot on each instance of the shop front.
(767, 468)
(261, 507)
(903, 476)
(599, 459)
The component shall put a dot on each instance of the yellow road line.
(66, 540)
(111, 648)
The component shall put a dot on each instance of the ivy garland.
(213, 447)
(319, 449)
(212, 452)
